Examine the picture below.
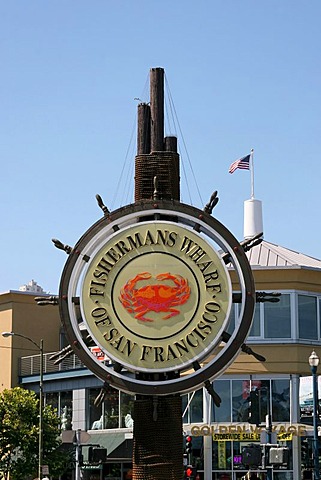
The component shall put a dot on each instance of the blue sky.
(242, 74)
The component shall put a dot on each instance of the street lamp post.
(314, 362)
(40, 441)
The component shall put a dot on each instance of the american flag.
(242, 163)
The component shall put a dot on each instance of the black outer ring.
(189, 381)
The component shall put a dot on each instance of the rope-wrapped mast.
(157, 109)
(156, 156)
(157, 419)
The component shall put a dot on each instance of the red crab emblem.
(154, 298)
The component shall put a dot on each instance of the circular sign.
(156, 296)
(148, 286)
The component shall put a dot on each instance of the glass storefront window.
(277, 318)
(223, 412)
(113, 471)
(94, 412)
(240, 403)
(281, 400)
(307, 312)
(274, 398)
(184, 409)
(197, 457)
(237, 456)
(111, 409)
(66, 410)
(194, 412)
(240, 399)
(264, 388)
(52, 398)
(277, 475)
(196, 407)
(126, 410)
(222, 455)
(106, 415)
(62, 403)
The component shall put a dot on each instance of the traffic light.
(307, 475)
(188, 444)
(251, 455)
(254, 407)
(279, 456)
(305, 453)
(190, 472)
(97, 454)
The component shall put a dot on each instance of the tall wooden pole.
(143, 129)
(156, 156)
(158, 427)
(157, 109)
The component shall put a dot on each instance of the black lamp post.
(40, 442)
(314, 362)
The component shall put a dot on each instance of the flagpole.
(252, 173)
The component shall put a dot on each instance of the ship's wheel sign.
(150, 287)
(156, 296)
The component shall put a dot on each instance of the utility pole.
(78, 454)
(41, 411)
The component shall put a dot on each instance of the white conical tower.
(253, 217)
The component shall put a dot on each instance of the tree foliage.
(19, 436)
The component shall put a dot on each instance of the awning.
(124, 452)
(119, 448)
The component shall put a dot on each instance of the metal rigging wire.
(183, 143)
(124, 188)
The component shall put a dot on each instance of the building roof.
(268, 254)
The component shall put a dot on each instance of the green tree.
(19, 436)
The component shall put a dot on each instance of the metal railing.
(31, 365)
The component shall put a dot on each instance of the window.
(256, 325)
(66, 410)
(274, 397)
(52, 399)
(273, 320)
(126, 410)
(281, 400)
(264, 389)
(106, 414)
(184, 408)
(277, 318)
(240, 404)
(196, 407)
(231, 326)
(223, 412)
(222, 455)
(62, 403)
(307, 312)
(194, 412)
(111, 408)
(94, 411)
